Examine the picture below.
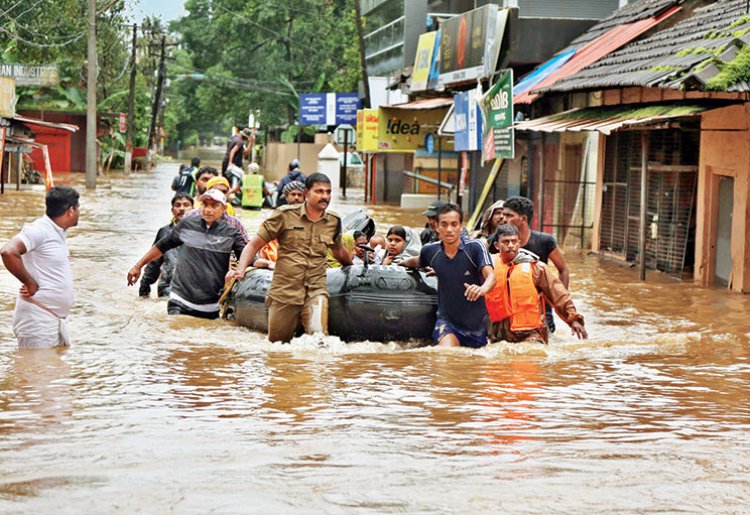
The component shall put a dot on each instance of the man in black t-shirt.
(236, 149)
(519, 211)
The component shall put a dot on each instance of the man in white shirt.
(38, 256)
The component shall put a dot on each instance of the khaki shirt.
(300, 271)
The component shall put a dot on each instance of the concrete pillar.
(328, 163)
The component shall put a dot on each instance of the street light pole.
(91, 99)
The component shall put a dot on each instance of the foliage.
(733, 72)
(259, 55)
(56, 33)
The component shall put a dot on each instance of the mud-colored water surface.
(148, 413)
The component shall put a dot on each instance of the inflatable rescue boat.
(374, 302)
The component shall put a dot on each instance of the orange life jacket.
(270, 251)
(515, 296)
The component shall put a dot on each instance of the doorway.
(724, 231)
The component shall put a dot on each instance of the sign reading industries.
(497, 114)
(470, 44)
(25, 75)
(467, 122)
(328, 108)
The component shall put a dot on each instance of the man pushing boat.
(305, 232)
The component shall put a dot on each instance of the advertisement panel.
(467, 121)
(367, 130)
(497, 119)
(405, 129)
(423, 61)
(470, 44)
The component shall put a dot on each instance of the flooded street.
(148, 413)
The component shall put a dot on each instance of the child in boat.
(400, 244)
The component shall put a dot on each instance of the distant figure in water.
(38, 257)
(523, 286)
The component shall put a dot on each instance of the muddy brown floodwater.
(154, 414)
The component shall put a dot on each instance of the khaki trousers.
(283, 319)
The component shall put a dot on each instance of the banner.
(423, 61)
(7, 97)
(470, 44)
(467, 122)
(497, 119)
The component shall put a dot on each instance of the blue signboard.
(347, 105)
(467, 120)
(328, 108)
(312, 109)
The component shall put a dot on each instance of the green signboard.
(497, 114)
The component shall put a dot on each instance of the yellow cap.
(217, 180)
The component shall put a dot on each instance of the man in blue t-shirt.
(464, 271)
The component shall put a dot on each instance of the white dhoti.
(38, 328)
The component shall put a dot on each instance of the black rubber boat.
(376, 303)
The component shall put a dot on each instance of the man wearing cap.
(430, 228)
(204, 262)
(294, 193)
(236, 149)
(299, 293)
(221, 184)
(294, 174)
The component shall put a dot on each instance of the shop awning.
(423, 104)
(611, 118)
(42, 123)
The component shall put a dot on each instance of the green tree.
(259, 55)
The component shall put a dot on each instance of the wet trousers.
(283, 319)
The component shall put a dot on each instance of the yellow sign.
(367, 130)
(423, 61)
(7, 97)
(405, 129)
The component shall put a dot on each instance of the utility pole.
(156, 103)
(131, 107)
(91, 100)
(362, 58)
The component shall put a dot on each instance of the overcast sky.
(167, 10)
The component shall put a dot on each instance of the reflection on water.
(651, 414)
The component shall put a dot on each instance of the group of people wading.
(493, 287)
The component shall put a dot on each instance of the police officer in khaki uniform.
(305, 232)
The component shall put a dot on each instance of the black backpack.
(183, 181)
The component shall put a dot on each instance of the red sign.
(123, 122)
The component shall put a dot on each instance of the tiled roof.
(684, 56)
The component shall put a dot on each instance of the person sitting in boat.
(358, 258)
(294, 193)
(401, 244)
(516, 304)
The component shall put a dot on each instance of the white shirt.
(47, 260)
